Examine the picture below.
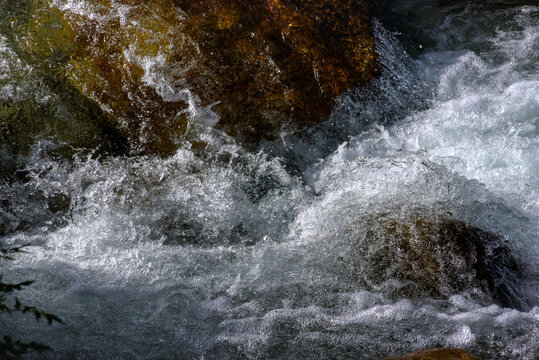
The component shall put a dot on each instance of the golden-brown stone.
(280, 61)
(263, 64)
(436, 354)
(108, 67)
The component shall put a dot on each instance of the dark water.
(233, 254)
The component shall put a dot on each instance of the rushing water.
(232, 254)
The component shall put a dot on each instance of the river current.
(236, 254)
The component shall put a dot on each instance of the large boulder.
(436, 354)
(160, 68)
(425, 255)
(276, 61)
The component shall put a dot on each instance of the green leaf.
(10, 348)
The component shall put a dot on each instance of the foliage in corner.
(10, 348)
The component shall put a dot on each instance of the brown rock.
(263, 64)
(107, 66)
(278, 61)
(436, 256)
(436, 354)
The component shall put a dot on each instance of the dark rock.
(277, 61)
(436, 354)
(437, 257)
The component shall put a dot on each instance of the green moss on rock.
(264, 65)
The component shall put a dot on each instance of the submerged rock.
(436, 354)
(158, 68)
(436, 257)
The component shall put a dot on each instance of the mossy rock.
(436, 354)
(436, 256)
(261, 65)
(70, 128)
(37, 100)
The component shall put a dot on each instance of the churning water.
(231, 254)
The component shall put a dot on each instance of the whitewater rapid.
(230, 254)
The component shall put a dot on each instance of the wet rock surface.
(280, 60)
(158, 69)
(436, 354)
(36, 100)
(437, 257)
